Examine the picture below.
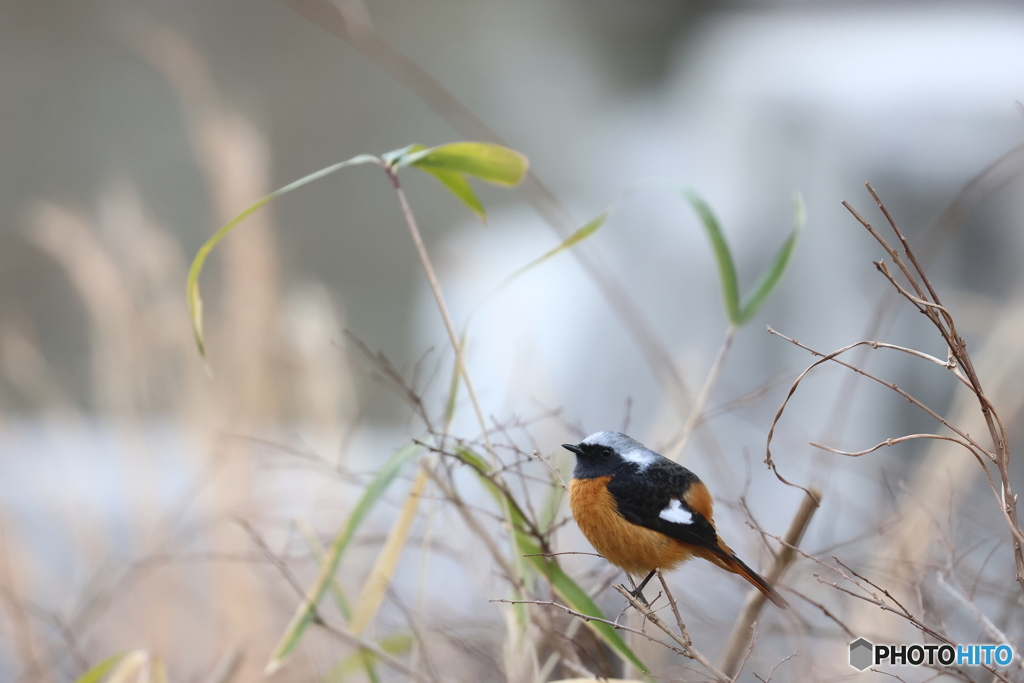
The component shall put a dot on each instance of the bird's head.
(603, 453)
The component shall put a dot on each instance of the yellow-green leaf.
(460, 187)
(763, 288)
(387, 561)
(726, 267)
(489, 162)
(306, 609)
(319, 554)
(96, 673)
(363, 658)
(583, 233)
(397, 644)
(195, 301)
(577, 598)
(548, 567)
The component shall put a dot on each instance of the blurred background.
(147, 503)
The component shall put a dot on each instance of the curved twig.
(892, 442)
(891, 385)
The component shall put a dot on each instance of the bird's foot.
(638, 594)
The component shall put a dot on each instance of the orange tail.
(728, 560)
(737, 567)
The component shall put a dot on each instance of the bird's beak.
(575, 449)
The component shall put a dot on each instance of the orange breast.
(634, 548)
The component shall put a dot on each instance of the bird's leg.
(638, 592)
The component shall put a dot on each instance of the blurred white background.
(132, 130)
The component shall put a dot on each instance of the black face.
(593, 460)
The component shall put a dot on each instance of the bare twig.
(892, 442)
(958, 350)
(696, 415)
(873, 598)
(442, 307)
(750, 651)
(991, 629)
(755, 601)
(771, 672)
(346, 636)
(891, 385)
(825, 610)
(588, 617)
(683, 639)
(554, 470)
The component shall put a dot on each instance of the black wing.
(642, 497)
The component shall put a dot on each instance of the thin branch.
(554, 470)
(588, 617)
(893, 254)
(824, 610)
(903, 241)
(891, 385)
(873, 598)
(675, 606)
(892, 442)
(696, 415)
(755, 600)
(958, 350)
(991, 629)
(771, 672)
(750, 651)
(442, 307)
(683, 640)
(346, 636)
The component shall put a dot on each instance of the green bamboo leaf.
(306, 609)
(460, 187)
(576, 598)
(583, 233)
(548, 567)
(195, 301)
(96, 673)
(318, 552)
(774, 272)
(488, 162)
(383, 570)
(453, 386)
(396, 644)
(552, 504)
(726, 267)
(362, 658)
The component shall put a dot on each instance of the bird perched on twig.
(643, 512)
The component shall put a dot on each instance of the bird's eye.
(607, 452)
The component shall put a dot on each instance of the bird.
(644, 512)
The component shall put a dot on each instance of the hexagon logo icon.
(861, 654)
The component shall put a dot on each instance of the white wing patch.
(675, 512)
(643, 458)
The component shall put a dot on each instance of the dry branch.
(730, 661)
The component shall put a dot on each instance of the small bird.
(643, 512)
